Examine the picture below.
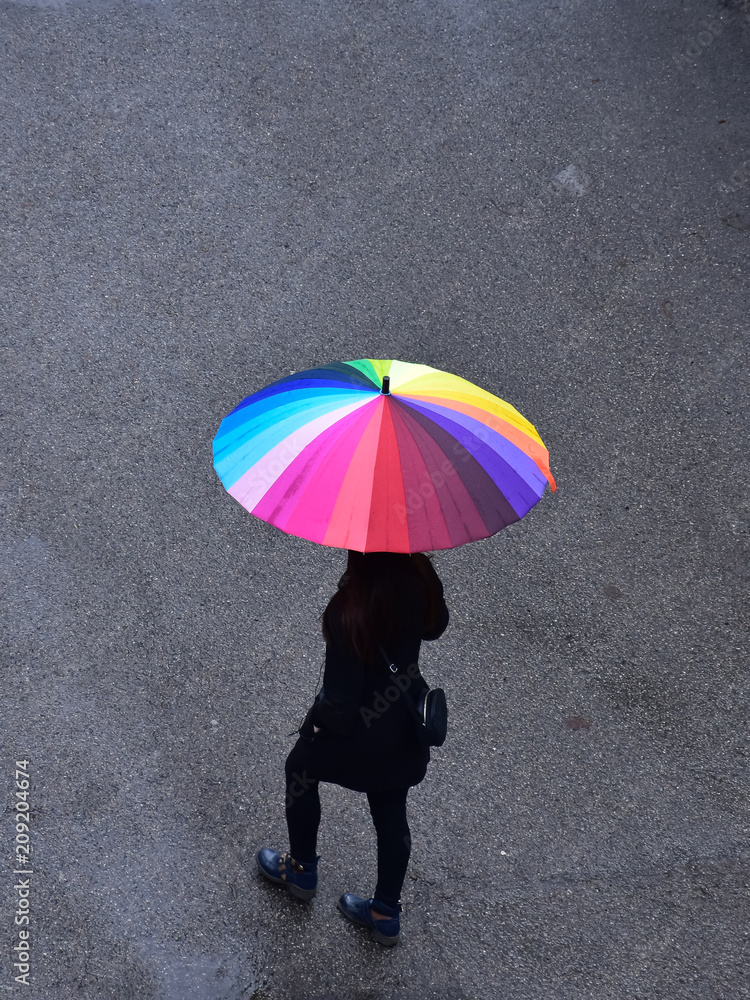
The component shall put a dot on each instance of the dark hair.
(378, 599)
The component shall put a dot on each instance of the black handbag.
(430, 711)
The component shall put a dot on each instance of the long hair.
(377, 599)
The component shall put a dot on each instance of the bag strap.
(409, 700)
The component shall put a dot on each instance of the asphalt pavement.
(553, 201)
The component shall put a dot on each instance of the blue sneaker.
(357, 910)
(300, 879)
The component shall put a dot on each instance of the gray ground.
(550, 200)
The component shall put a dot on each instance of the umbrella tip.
(386, 390)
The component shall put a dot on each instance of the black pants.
(388, 810)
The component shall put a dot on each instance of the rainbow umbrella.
(381, 456)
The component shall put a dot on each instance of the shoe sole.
(295, 890)
(374, 933)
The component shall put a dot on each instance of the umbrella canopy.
(381, 456)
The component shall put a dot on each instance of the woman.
(360, 732)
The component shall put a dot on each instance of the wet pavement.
(552, 201)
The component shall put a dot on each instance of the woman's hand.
(316, 729)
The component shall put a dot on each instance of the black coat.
(368, 739)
